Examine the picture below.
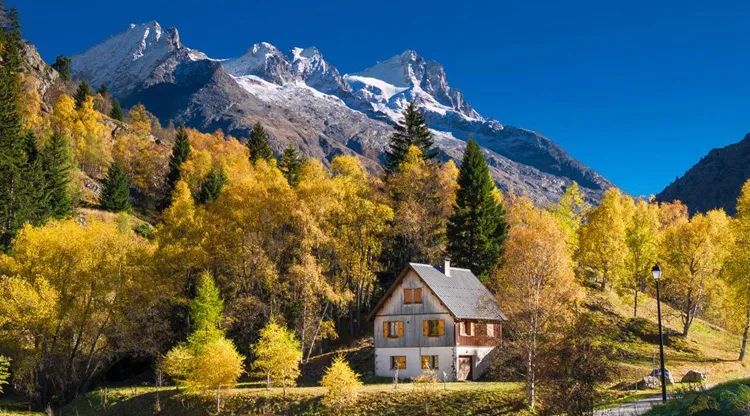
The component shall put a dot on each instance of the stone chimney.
(447, 267)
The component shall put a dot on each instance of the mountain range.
(303, 100)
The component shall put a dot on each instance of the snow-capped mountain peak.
(130, 56)
(408, 77)
(264, 61)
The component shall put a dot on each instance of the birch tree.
(536, 286)
(694, 252)
(738, 266)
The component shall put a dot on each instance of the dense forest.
(206, 256)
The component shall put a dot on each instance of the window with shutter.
(408, 296)
(430, 362)
(393, 329)
(398, 362)
(433, 328)
(467, 329)
(490, 330)
(412, 296)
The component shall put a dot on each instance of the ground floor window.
(430, 362)
(398, 362)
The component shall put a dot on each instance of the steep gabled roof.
(462, 293)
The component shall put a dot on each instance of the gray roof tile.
(462, 293)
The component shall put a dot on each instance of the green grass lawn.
(468, 398)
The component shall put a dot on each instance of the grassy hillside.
(707, 348)
(727, 399)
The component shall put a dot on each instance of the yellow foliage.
(139, 121)
(694, 252)
(341, 383)
(278, 354)
(142, 158)
(535, 284)
(217, 364)
(602, 247)
(421, 195)
(71, 293)
(90, 137)
(31, 106)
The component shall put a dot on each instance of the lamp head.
(656, 271)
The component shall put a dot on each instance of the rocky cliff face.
(715, 181)
(303, 100)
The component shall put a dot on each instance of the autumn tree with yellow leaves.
(602, 250)
(536, 286)
(69, 292)
(737, 271)
(694, 252)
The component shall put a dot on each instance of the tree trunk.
(218, 399)
(635, 303)
(530, 381)
(745, 335)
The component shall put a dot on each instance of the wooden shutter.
(418, 295)
(441, 327)
(426, 328)
(408, 296)
(471, 329)
(400, 328)
(385, 329)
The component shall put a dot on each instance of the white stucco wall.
(446, 358)
(481, 359)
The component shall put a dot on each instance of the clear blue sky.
(638, 90)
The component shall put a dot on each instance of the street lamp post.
(656, 271)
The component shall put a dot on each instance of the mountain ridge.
(715, 181)
(304, 100)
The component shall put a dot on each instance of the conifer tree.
(116, 193)
(57, 163)
(17, 202)
(290, 164)
(116, 112)
(211, 186)
(83, 91)
(477, 229)
(103, 90)
(62, 66)
(180, 154)
(411, 131)
(258, 144)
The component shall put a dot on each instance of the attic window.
(412, 296)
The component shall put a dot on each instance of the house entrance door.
(464, 367)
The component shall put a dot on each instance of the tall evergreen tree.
(116, 193)
(103, 90)
(180, 154)
(57, 164)
(290, 164)
(258, 144)
(116, 112)
(62, 66)
(411, 131)
(211, 186)
(83, 91)
(478, 228)
(18, 202)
